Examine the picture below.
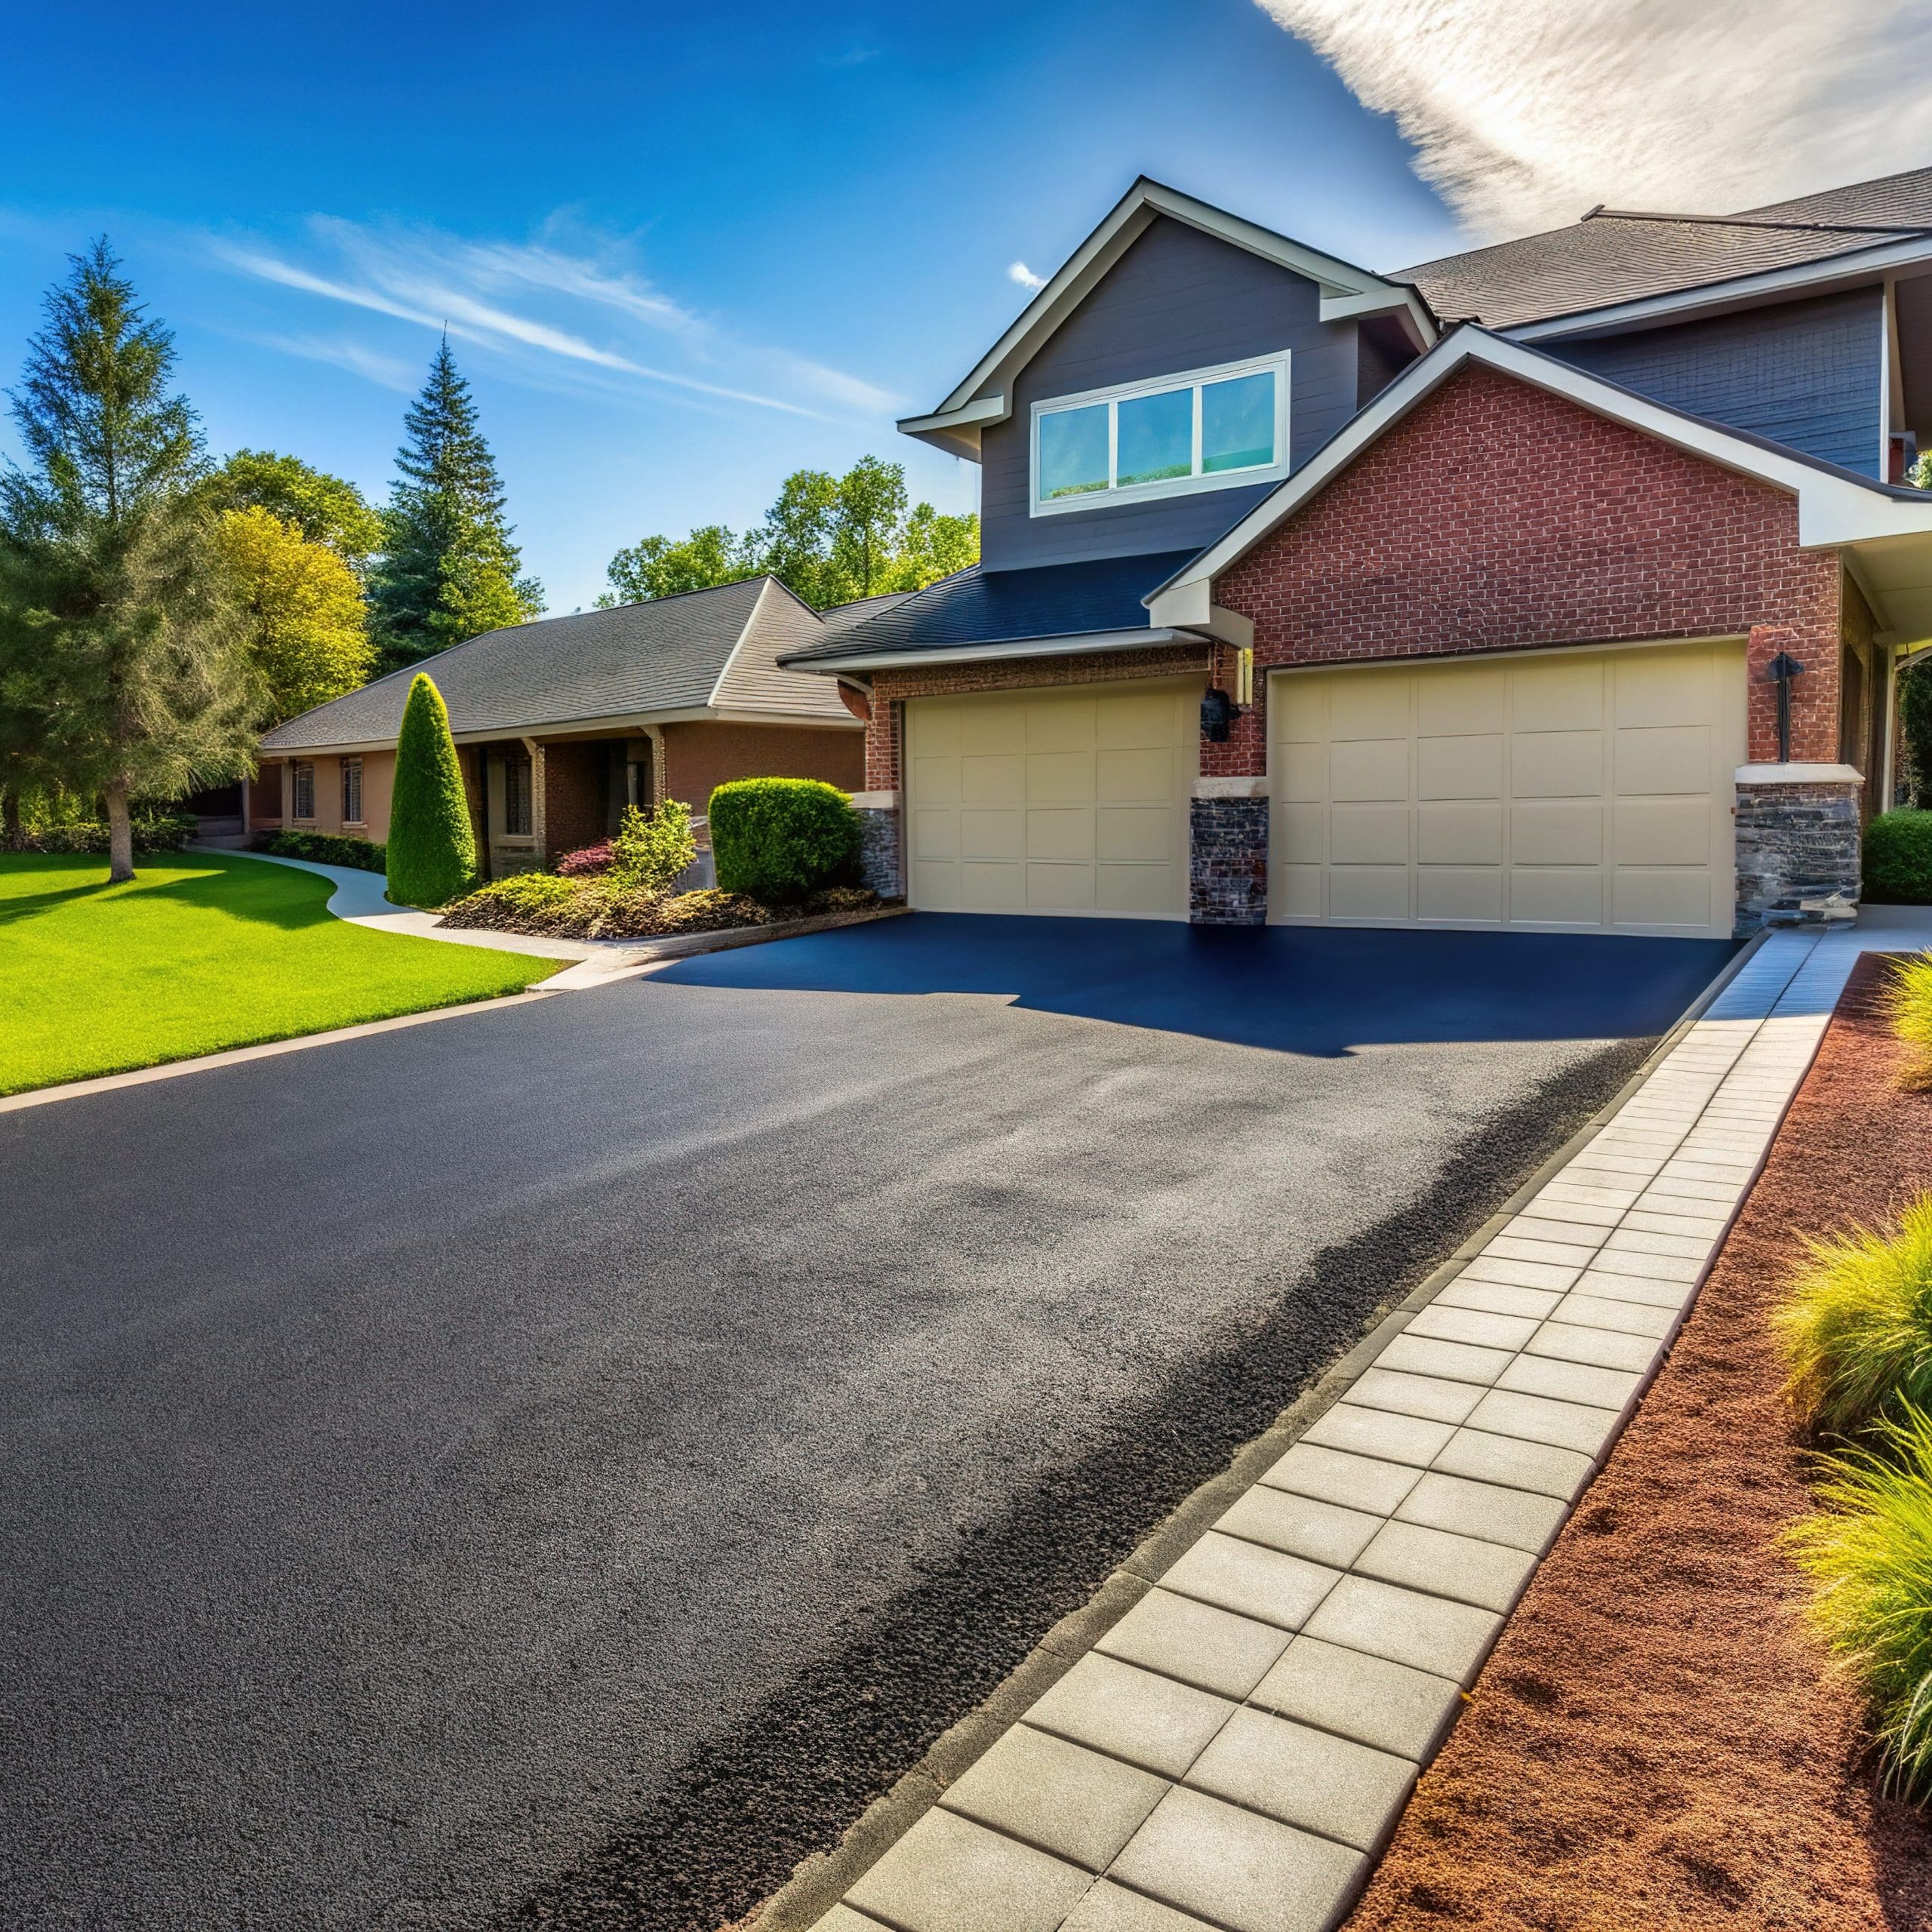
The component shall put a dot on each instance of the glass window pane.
(1073, 451)
(1156, 438)
(1237, 422)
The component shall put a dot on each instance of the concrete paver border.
(1430, 1470)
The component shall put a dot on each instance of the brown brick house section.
(1497, 516)
(699, 757)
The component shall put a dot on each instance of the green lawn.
(199, 952)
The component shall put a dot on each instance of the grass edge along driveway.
(197, 953)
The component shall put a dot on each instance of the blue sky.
(681, 252)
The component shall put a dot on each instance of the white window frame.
(1167, 486)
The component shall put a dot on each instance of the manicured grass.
(198, 952)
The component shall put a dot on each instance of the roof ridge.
(1600, 213)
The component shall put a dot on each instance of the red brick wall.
(1498, 517)
(891, 688)
(698, 758)
(577, 785)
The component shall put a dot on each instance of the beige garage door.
(1577, 791)
(1065, 801)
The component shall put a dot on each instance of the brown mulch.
(1657, 1743)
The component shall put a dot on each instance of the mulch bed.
(1657, 1743)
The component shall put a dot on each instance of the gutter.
(1063, 645)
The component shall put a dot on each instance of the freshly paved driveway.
(422, 1451)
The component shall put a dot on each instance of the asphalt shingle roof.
(1613, 255)
(707, 648)
(978, 606)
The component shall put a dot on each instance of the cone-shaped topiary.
(432, 850)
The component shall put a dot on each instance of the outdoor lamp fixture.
(1781, 670)
(1218, 710)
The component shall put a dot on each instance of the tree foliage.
(307, 628)
(326, 509)
(432, 847)
(449, 569)
(121, 654)
(830, 539)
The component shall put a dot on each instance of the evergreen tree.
(449, 569)
(431, 847)
(121, 654)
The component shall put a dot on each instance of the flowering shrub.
(588, 862)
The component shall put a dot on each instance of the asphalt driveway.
(555, 1464)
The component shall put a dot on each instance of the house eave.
(1066, 644)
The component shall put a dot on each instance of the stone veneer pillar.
(1228, 852)
(1798, 842)
(881, 866)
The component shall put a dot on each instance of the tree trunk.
(120, 834)
(10, 820)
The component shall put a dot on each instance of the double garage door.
(1563, 791)
(1064, 801)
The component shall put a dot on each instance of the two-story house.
(1558, 586)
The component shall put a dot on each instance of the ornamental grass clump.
(1869, 1551)
(1909, 1007)
(1856, 1328)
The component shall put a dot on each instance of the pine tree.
(449, 569)
(431, 847)
(120, 651)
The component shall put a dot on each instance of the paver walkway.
(1235, 1752)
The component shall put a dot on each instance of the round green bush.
(432, 849)
(776, 839)
(1898, 859)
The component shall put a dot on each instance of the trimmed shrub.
(1869, 1552)
(587, 862)
(777, 839)
(1898, 858)
(324, 848)
(156, 832)
(648, 853)
(432, 850)
(1857, 1329)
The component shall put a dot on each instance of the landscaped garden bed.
(1661, 1738)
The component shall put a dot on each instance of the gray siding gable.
(1178, 299)
(1807, 374)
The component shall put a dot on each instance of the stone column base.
(1798, 847)
(880, 863)
(1228, 862)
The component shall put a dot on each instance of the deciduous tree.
(325, 508)
(307, 628)
(121, 649)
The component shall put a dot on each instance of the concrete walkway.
(1233, 1753)
(357, 899)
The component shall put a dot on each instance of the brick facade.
(577, 795)
(699, 757)
(1497, 516)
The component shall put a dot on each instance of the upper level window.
(1201, 431)
(351, 790)
(305, 788)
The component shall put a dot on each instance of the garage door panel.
(1466, 700)
(1369, 892)
(1058, 802)
(1369, 768)
(1556, 765)
(1362, 707)
(1059, 778)
(1661, 832)
(1459, 834)
(1132, 777)
(1061, 835)
(1459, 895)
(1368, 835)
(1134, 835)
(998, 835)
(1581, 791)
(1556, 831)
(1676, 896)
(1460, 767)
(1672, 758)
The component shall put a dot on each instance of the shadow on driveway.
(1301, 989)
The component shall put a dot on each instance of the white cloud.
(1524, 113)
(389, 372)
(1019, 273)
(559, 300)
